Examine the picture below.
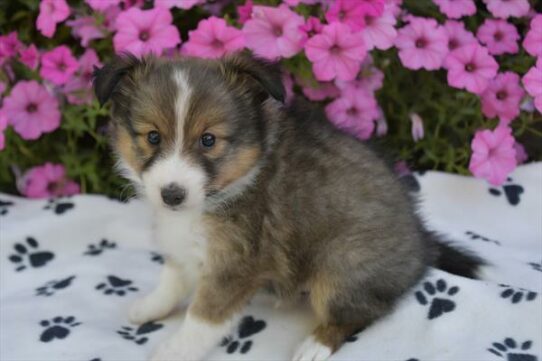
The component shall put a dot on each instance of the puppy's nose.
(173, 195)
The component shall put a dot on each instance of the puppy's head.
(189, 131)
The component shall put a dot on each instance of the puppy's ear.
(106, 79)
(266, 74)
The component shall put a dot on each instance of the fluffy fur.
(282, 200)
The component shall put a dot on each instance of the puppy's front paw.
(312, 350)
(168, 351)
(147, 309)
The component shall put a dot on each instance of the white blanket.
(71, 267)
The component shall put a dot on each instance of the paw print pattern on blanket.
(116, 286)
(157, 257)
(537, 266)
(4, 207)
(59, 206)
(511, 191)
(517, 295)
(57, 328)
(509, 351)
(29, 255)
(137, 335)
(475, 236)
(51, 287)
(437, 305)
(247, 327)
(98, 248)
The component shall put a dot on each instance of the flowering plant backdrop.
(454, 85)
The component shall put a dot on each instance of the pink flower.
(101, 5)
(213, 39)
(58, 65)
(499, 36)
(51, 13)
(416, 127)
(379, 32)
(111, 15)
(181, 4)
(2, 87)
(78, 88)
(3, 126)
(145, 31)
(355, 113)
(244, 12)
(31, 109)
(288, 83)
(471, 67)
(86, 29)
(335, 53)
(370, 78)
(30, 57)
(48, 180)
(373, 8)
(493, 155)
(347, 12)
(533, 40)
(458, 36)
(312, 27)
(422, 44)
(507, 8)
(533, 84)
(502, 97)
(455, 9)
(9, 46)
(319, 91)
(274, 32)
(521, 153)
(381, 124)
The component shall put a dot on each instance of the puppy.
(249, 193)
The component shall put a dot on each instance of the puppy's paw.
(147, 309)
(168, 351)
(312, 350)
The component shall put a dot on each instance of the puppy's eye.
(208, 140)
(153, 137)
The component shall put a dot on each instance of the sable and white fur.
(280, 200)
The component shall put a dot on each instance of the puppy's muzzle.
(173, 195)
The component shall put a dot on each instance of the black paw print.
(136, 335)
(509, 350)
(247, 327)
(97, 249)
(516, 295)
(58, 205)
(511, 191)
(116, 286)
(51, 287)
(158, 258)
(28, 255)
(475, 236)
(537, 266)
(58, 327)
(4, 207)
(439, 305)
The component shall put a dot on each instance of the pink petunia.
(508, 8)
(319, 91)
(213, 38)
(347, 12)
(312, 27)
(455, 9)
(379, 32)
(181, 4)
(370, 78)
(336, 53)
(274, 32)
(533, 40)
(2, 87)
(3, 126)
(499, 36)
(458, 36)
(373, 8)
(110, 19)
(355, 113)
(533, 84)
(58, 65)
(521, 153)
(30, 57)
(9, 46)
(502, 97)
(493, 155)
(244, 12)
(51, 13)
(142, 32)
(471, 67)
(78, 88)
(46, 181)
(31, 109)
(101, 5)
(422, 44)
(86, 29)
(416, 127)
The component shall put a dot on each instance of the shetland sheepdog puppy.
(249, 193)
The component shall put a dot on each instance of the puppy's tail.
(456, 260)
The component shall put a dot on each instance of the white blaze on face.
(171, 168)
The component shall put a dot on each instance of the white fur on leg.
(163, 299)
(193, 340)
(312, 350)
